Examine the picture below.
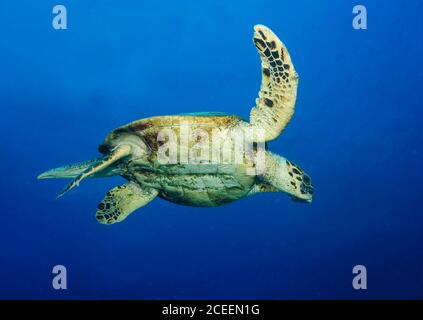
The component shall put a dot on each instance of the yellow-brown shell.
(147, 129)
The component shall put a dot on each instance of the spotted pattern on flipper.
(122, 201)
(302, 180)
(276, 101)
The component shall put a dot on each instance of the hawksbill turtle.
(133, 150)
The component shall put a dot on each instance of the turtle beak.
(302, 200)
(305, 192)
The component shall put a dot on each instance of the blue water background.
(356, 131)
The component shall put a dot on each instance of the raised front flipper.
(122, 201)
(278, 92)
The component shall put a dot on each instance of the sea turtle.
(135, 151)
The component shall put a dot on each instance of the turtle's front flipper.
(287, 177)
(117, 153)
(122, 201)
(278, 92)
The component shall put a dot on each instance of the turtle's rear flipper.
(122, 201)
(117, 153)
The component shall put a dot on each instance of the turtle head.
(298, 185)
(287, 177)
